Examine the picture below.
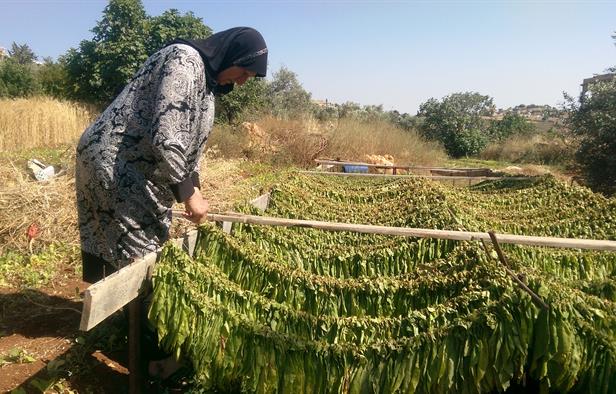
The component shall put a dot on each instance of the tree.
(123, 39)
(371, 113)
(348, 109)
(404, 121)
(613, 68)
(121, 49)
(102, 66)
(325, 112)
(243, 99)
(286, 95)
(22, 54)
(171, 25)
(84, 79)
(457, 122)
(593, 118)
(510, 124)
(53, 78)
(16, 80)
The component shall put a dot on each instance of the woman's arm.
(172, 133)
(196, 207)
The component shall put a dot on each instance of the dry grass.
(299, 142)
(42, 121)
(49, 205)
(353, 139)
(227, 141)
(537, 149)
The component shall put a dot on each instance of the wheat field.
(41, 122)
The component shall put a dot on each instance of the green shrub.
(593, 118)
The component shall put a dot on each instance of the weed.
(22, 270)
(16, 356)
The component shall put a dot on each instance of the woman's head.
(234, 75)
(232, 56)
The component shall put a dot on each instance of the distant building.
(597, 78)
(531, 112)
(3, 53)
(323, 103)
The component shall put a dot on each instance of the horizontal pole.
(572, 243)
(357, 163)
(452, 177)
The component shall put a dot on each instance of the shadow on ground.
(95, 361)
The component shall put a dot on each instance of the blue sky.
(395, 53)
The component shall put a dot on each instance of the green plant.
(16, 356)
(243, 100)
(457, 122)
(511, 124)
(286, 95)
(295, 309)
(17, 80)
(21, 270)
(593, 119)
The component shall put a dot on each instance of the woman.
(142, 153)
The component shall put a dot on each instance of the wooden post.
(226, 227)
(134, 346)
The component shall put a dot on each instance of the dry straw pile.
(49, 205)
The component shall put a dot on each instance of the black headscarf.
(239, 46)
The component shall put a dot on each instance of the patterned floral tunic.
(141, 155)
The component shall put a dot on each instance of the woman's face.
(234, 74)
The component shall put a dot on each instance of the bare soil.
(43, 324)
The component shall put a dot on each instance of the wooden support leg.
(134, 346)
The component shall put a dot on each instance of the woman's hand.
(196, 207)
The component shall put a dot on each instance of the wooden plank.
(457, 172)
(108, 295)
(444, 177)
(352, 163)
(188, 241)
(419, 232)
(261, 202)
(227, 226)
